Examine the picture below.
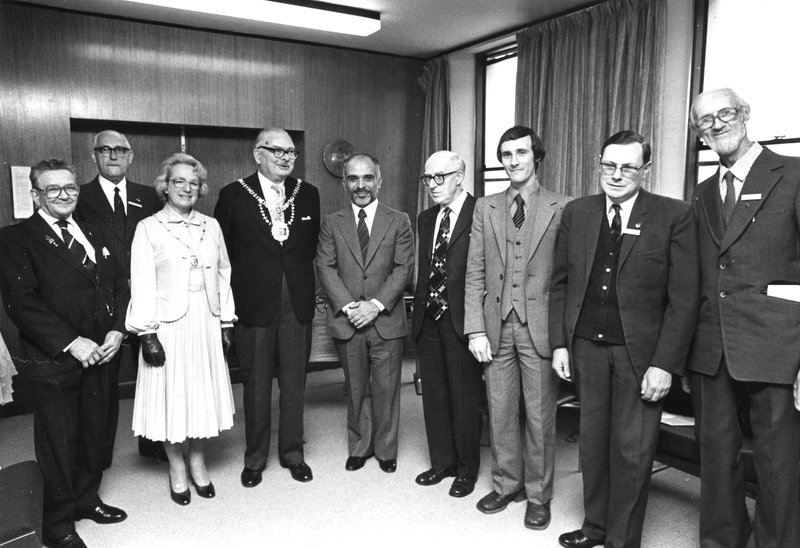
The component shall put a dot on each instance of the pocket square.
(306, 218)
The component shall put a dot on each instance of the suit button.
(723, 294)
(498, 299)
(723, 266)
(365, 277)
(501, 276)
(514, 285)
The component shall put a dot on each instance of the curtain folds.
(435, 83)
(585, 76)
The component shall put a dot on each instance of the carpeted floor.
(338, 507)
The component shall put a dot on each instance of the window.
(500, 81)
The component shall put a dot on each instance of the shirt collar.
(266, 183)
(369, 210)
(50, 220)
(743, 165)
(625, 206)
(528, 193)
(174, 217)
(109, 186)
(457, 204)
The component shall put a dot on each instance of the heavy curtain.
(436, 122)
(585, 76)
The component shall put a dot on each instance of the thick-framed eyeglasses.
(105, 152)
(725, 115)
(607, 168)
(279, 152)
(54, 191)
(182, 183)
(436, 180)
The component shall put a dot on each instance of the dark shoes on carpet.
(356, 463)
(183, 498)
(250, 477)
(537, 516)
(300, 471)
(102, 513)
(576, 539)
(434, 476)
(462, 487)
(70, 540)
(495, 502)
(388, 465)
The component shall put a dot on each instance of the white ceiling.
(413, 28)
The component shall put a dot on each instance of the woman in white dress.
(183, 312)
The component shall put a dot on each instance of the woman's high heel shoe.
(183, 498)
(206, 491)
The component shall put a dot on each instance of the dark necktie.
(119, 209)
(616, 223)
(519, 214)
(74, 246)
(363, 233)
(437, 282)
(730, 197)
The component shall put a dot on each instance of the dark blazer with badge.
(657, 278)
(258, 261)
(53, 299)
(759, 334)
(93, 207)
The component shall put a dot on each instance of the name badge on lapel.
(750, 196)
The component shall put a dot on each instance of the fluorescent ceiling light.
(305, 14)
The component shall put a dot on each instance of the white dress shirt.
(455, 210)
(73, 229)
(108, 190)
(740, 170)
(625, 209)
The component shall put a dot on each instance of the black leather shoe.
(576, 539)
(462, 487)
(537, 516)
(434, 476)
(183, 498)
(205, 491)
(388, 465)
(102, 513)
(152, 449)
(356, 463)
(70, 540)
(300, 471)
(250, 477)
(495, 502)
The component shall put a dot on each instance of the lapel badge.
(51, 240)
(638, 224)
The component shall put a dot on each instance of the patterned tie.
(730, 197)
(119, 209)
(519, 214)
(363, 233)
(616, 223)
(437, 282)
(74, 246)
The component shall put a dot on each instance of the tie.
(730, 197)
(437, 283)
(279, 192)
(363, 233)
(519, 214)
(75, 246)
(119, 209)
(616, 223)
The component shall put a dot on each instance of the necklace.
(193, 258)
(280, 229)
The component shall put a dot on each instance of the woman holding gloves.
(182, 310)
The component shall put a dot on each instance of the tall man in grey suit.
(115, 205)
(451, 379)
(747, 344)
(623, 305)
(505, 317)
(270, 222)
(365, 259)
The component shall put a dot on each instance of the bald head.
(444, 173)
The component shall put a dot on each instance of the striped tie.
(363, 233)
(519, 214)
(75, 246)
(437, 283)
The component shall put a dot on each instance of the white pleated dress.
(180, 289)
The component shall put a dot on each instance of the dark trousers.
(451, 395)
(372, 368)
(280, 349)
(69, 421)
(724, 521)
(618, 436)
(110, 435)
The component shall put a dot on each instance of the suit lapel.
(379, 227)
(542, 211)
(636, 220)
(712, 208)
(760, 180)
(464, 220)
(45, 236)
(347, 225)
(591, 231)
(427, 223)
(97, 201)
(497, 217)
(252, 208)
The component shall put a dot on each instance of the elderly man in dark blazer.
(270, 222)
(451, 378)
(365, 260)
(747, 344)
(623, 305)
(66, 294)
(115, 205)
(505, 317)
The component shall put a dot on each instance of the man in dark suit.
(65, 293)
(505, 317)
(451, 378)
(365, 260)
(270, 222)
(623, 305)
(114, 205)
(747, 344)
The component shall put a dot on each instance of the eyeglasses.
(279, 152)
(435, 180)
(181, 183)
(54, 191)
(105, 152)
(725, 115)
(607, 168)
